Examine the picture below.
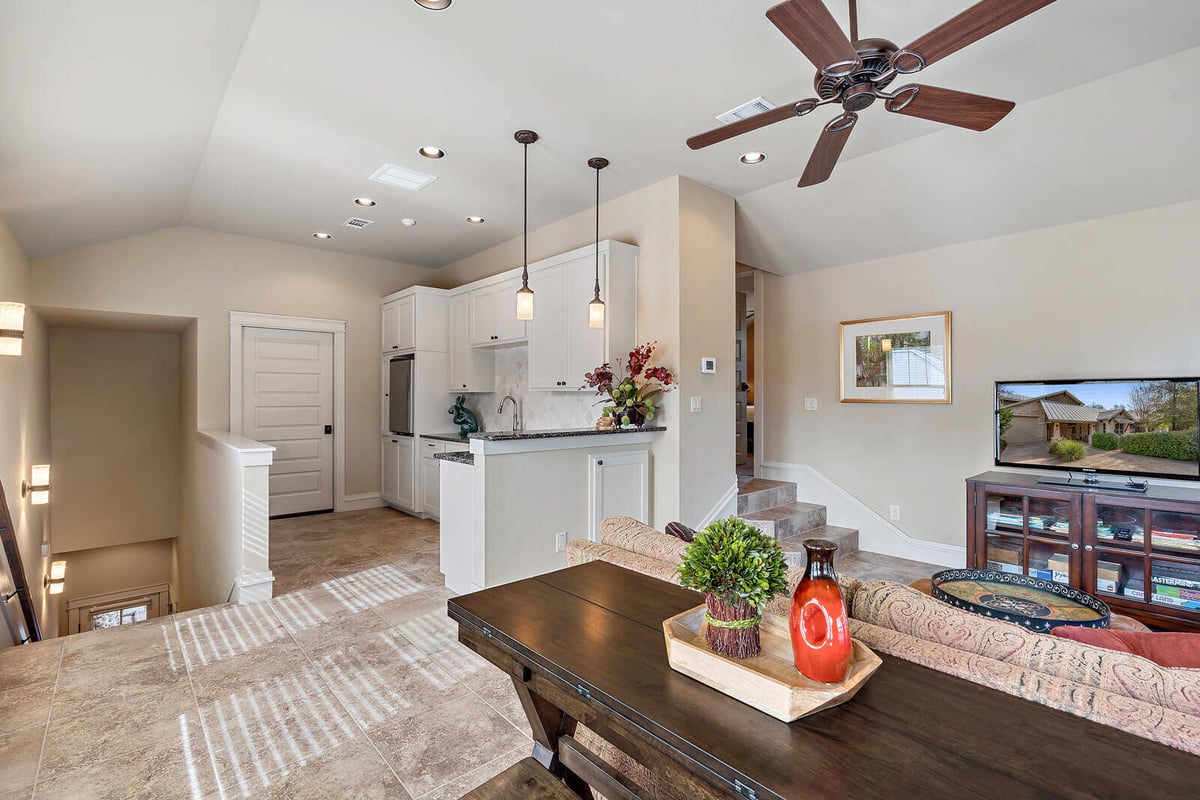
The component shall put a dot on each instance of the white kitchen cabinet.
(399, 473)
(399, 324)
(494, 315)
(562, 347)
(414, 319)
(618, 486)
(471, 369)
(431, 474)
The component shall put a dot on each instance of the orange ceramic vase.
(820, 629)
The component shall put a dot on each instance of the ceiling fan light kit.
(855, 72)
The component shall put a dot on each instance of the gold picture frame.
(900, 359)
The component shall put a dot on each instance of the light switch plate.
(708, 364)
(695, 405)
(560, 541)
(810, 404)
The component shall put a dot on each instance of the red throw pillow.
(1164, 649)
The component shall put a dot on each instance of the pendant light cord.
(597, 233)
(525, 261)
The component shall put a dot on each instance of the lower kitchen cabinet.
(400, 472)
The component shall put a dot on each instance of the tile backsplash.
(537, 409)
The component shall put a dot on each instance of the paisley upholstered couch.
(1110, 688)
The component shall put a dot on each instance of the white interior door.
(287, 402)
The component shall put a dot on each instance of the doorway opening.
(747, 372)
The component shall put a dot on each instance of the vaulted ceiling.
(266, 118)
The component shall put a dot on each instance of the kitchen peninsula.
(509, 505)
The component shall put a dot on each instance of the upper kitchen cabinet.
(472, 369)
(414, 319)
(562, 348)
(493, 315)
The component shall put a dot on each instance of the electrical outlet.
(560, 541)
(894, 513)
(810, 404)
(695, 405)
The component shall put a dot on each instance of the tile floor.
(350, 683)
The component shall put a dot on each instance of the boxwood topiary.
(736, 562)
(1068, 450)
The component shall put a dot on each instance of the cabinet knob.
(1074, 546)
(1089, 548)
(464, 386)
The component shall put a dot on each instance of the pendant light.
(596, 307)
(525, 294)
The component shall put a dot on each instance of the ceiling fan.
(855, 72)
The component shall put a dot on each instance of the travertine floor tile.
(19, 754)
(456, 788)
(23, 706)
(439, 745)
(30, 664)
(178, 771)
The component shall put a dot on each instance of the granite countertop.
(500, 436)
(446, 437)
(457, 458)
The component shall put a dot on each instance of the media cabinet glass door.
(1161, 568)
(1028, 532)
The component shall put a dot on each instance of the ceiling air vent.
(756, 106)
(358, 222)
(405, 178)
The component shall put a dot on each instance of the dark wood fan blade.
(828, 150)
(743, 126)
(980, 20)
(946, 105)
(814, 31)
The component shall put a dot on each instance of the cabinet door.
(508, 327)
(483, 315)
(618, 485)
(430, 486)
(547, 331)
(399, 325)
(460, 345)
(406, 473)
(390, 491)
(585, 345)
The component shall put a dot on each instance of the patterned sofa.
(1111, 688)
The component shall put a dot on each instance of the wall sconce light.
(56, 580)
(37, 488)
(12, 328)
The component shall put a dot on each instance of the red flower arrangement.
(631, 398)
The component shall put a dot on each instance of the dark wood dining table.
(585, 645)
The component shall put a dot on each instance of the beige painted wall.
(24, 435)
(674, 222)
(1112, 297)
(188, 272)
(112, 569)
(115, 443)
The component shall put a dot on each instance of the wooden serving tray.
(768, 681)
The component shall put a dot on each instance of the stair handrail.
(16, 566)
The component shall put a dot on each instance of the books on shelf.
(1004, 566)
(1167, 537)
(1168, 574)
(1060, 567)
(1000, 550)
(1176, 596)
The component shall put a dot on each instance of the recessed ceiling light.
(476, 220)
(432, 152)
(753, 158)
(434, 5)
(364, 201)
(408, 223)
(322, 235)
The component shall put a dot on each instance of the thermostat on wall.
(708, 364)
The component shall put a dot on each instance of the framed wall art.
(903, 359)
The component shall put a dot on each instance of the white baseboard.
(875, 534)
(254, 588)
(725, 507)
(360, 502)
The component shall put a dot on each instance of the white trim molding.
(725, 507)
(254, 588)
(247, 319)
(361, 502)
(875, 534)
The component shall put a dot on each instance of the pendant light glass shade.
(596, 307)
(525, 294)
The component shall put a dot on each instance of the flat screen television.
(1132, 427)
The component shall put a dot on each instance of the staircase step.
(788, 519)
(757, 494)
(846, 539)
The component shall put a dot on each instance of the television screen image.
(1145, 428)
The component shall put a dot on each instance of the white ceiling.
(266, 118)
